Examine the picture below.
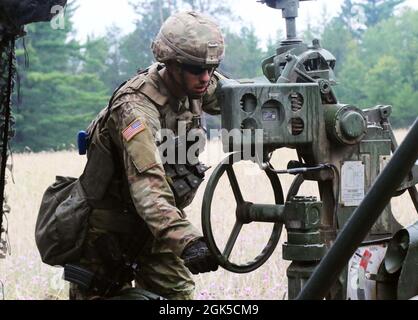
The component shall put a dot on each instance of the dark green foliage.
(102, 56)
(57, 97)
(383, 69)
(243, 55)
(338, 40)
(57, 105)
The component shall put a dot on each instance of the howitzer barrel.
(363, 218)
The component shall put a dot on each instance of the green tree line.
(376, 56)
(66, 83)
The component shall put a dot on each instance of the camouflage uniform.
(135, 217)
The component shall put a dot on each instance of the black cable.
(337, 193)
(297, 170)
(295, 186)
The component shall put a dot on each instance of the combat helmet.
(189, 38)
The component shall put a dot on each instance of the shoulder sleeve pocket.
(142, 149)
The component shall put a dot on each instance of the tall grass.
(25, 277)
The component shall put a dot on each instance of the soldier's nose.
(204, 76)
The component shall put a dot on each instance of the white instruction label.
(352, 183)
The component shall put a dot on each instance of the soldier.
(137, 228)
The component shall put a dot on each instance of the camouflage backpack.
(63, 217)
(61, 225)
(66, 207)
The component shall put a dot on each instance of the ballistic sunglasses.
(197, 70)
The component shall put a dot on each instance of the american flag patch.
(133, 129)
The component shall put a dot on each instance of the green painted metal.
(345, 124)
(298, 274)
(287, 114)
(353, 233)
(302, 221)
(264, 213)
(243, 216)
(402, 258)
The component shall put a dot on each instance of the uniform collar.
(155, 88)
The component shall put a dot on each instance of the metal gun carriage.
(350, 152)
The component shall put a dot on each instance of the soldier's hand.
(198, 259)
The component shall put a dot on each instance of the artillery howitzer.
(353, 156)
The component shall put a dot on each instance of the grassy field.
(24, 276)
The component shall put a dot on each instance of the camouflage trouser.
(160, 272)
(163, 273)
